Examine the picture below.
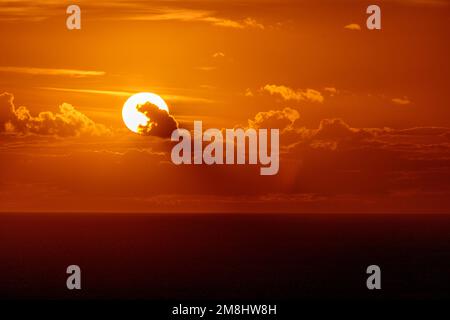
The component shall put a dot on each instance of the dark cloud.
(337, 129)
(419, 131)
(161, 123)
(333, 167)
(67, 122)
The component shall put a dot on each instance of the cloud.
(369, 169)
(334, 133)
(250, 22)
(206, 68)
(418, 131)
(331, 134)
(370, 164)
(275, 119)
(133, 10)
(353, 26)
(401, 101)
(20, 10)
(337, 129)
(331, 91)
(104, 92)
(192, 15)
(119, 93)
(287, 93)
(228, 23)
(67, 122)
(218, 54)
(161, 123)
(53, 72)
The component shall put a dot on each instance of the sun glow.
(132, 117)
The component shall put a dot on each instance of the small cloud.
(287, 93)
(246, 23)
(353, 26)
(331, 90)
(161, 123)
(193, 15)
(250, 22)
(401, 101)
(218, 55)
(169, 97)
(336, 129)
(207, 86)
(248, 93)
(65, 123)
(276, 119)
(206, 68)
(53, 72)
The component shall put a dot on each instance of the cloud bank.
(65, 123)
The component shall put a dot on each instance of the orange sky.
(363, 115)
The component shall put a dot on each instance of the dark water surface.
(224, 256)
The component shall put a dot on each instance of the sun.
(132, 117)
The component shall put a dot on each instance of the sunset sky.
(364, 115)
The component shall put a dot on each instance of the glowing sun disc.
(131, 115)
